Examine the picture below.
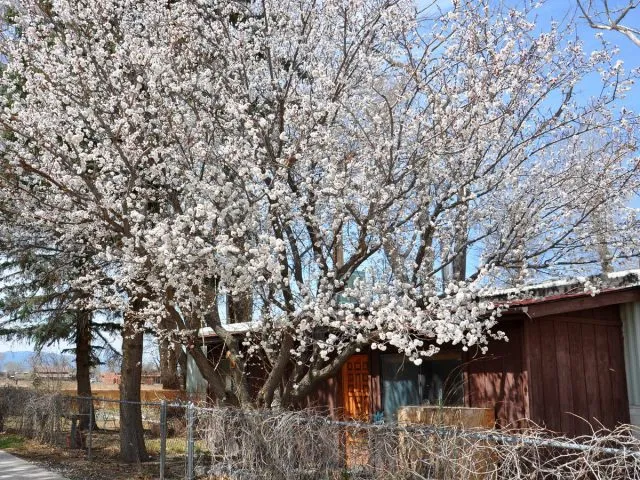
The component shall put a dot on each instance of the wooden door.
(355, 388)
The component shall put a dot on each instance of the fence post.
(163, 436)
(90, 428)
(190, 441)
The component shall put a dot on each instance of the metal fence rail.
(187, 441)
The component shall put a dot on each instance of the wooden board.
(565, 388)
(578, 383)
(552, 410)
(534, 362)
(577, 370)
(590, 365)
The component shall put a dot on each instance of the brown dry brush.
(240, 444)
(244, 444)
(302, 445)
(35, 414)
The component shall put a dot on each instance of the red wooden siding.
(375, 386)
(499, 379)
(326, 398)
(576, 366)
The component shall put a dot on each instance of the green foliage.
(9, 440)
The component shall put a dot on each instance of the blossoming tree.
(612, 16)
(313, 166)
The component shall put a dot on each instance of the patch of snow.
(619, 279)
(624, 273)
(241, 327)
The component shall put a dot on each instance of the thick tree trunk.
(169, 365)
(239, 394)
(168, 357)
(275, 377)
(602, 248)
(132, 447)
(83, 367)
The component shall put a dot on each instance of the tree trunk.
(83, 367)
(602, 243)
(239, 308)
(274, 379)
(182, 362)
(132, 447)
(210, 373)
(314, 376)
(461, 240)
(169, 365)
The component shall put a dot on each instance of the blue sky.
(558, 10)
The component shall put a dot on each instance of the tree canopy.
(316, 166)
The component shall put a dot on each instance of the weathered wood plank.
(550, 376)
(618, 377)
(590, 371)
(582, 302)
(536, 385)
(578, 380)
(565, 390)
(603, 376)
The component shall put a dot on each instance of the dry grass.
(282, 445)
(298, 445)
(43, 422)
(104, 465)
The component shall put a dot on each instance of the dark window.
(443, 382)
(400, 384)
(438, 381)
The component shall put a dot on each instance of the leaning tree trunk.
(239, 308)
(132, 447)
(83, 367)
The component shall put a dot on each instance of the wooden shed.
(563, 368)
(572, 359)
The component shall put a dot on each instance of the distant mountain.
(23, 360)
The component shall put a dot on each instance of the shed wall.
(499, 379)
(576, 366)
(326, 398)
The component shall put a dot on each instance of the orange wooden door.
(355, 388)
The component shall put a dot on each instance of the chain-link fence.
(236, 444)
(92, 425)
(191, 442)
(165, 432)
